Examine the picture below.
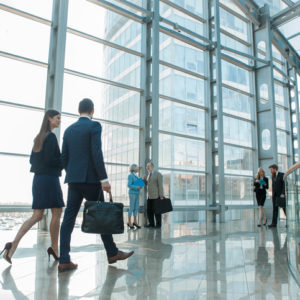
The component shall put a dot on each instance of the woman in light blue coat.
(135, 184)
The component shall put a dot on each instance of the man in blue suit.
(86, 176)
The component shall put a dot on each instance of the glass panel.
(94, 59)
(279, 94)
(120, 144)
(111, 103)
(100, 22)
(194, 6)
(182, 19)
(237, 104)
(183, 119)
(21, 127)
(181, 86)
(233, 25)
(238, 161)
(236, 76)
(281, 118)
(237, 132)
(181, 153)
(181, 54)
(282, 162)
(238, 190)
(30, 91)
(184, 189)
(282, 142)
(24, 37)
(266, 139)
(36, 7)
(15, 170)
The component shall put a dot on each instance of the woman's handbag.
(162, 206)
(280, 202)
(103, 217)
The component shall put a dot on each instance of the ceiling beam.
(286, 15)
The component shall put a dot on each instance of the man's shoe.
(67, 267)
(272, 225)
(149, 226)
(120, 256)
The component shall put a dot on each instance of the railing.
(292, 182)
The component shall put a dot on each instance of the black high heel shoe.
(131, 227)
(265, 224)
(137, 226)
(5, 255)
(50, 251)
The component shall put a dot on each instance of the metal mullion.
(283, 130)
(104, 121)
(191, 104)
(234, 13)
(241, 41)
(25, 14)
(238, 146)
(184, 11)
(237, 90)
(236, 62)
(238, 118)
(191, 73)
(23, 59)
(186, 30)
(183, 38)
(23, 106)
(103, 42)
(281, 106)
(116, 164)
(239, 176)
(245, 55)
(119, 10)
(282, 83)
(103, 80)
(191, 137)
(183, 170)
(15, 154)
(281, 72)
(136, 7)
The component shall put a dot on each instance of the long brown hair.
(260, 170)
(45, 129)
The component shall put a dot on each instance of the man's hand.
(161, 197)
(106, 186)
(282, 196)
(138, 187)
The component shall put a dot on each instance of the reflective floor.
(236, 260)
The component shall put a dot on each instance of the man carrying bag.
(154, 182)
(83, 161)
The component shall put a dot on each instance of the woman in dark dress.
(46, 164)
(261, 184)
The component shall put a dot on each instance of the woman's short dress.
(46, 192)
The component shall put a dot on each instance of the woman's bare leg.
(54, 228)
(36, 217)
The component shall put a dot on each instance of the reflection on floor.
(236, 260)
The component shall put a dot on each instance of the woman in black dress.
(46, 164)
(261, 184)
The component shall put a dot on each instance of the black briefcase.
(162, 206)
(280, 202)
(103, 217)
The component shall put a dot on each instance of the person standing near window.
(261, 184)
(46, 164)
(134, 192)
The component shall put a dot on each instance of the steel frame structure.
(261, 28)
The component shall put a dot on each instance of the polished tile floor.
(236, 260)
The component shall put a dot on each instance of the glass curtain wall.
(104, 59)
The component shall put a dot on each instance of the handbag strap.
(110, 197)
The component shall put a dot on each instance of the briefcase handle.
(110, 198)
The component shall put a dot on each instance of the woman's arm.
(130, 183)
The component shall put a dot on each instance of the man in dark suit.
(278, 192)
(86, 175)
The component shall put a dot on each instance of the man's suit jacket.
(278, 185)
(81, 152)
(155, 185)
